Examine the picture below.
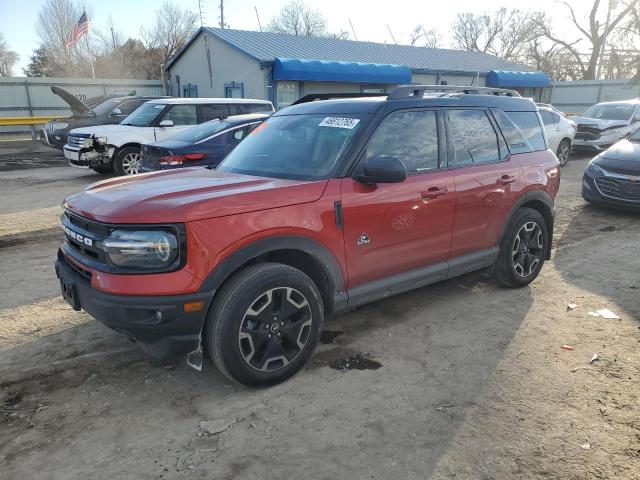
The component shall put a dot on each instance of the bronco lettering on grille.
(77, 237)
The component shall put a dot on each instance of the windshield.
(619, 111)
(202, 131)
(302, 147)
(144, 115)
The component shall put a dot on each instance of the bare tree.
(296, 18)
(421, 37)
(595, 30)
(172, 28)
(8, 58)
(504, 33)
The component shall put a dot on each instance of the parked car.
(603, 124)
(613, 176)
(117, 147)
(327, 205)
(204, 144)
(560, 132)
(103, 110)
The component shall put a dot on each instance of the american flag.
(79, 29)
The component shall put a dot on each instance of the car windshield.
(618, 111)
(301, 147)
(144, 115)
(202, 131)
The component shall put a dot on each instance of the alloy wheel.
(564, 150)
(131, 163)
(527, 249)
(275, 329)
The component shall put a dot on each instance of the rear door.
(551, 129)
(395, 227)
(487, 179)
(183, 116)
(215, 111)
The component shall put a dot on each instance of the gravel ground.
(462, 379)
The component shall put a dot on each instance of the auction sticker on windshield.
(339, 122)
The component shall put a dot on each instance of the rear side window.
(522, 131)
(547, 117)
(411, 137)
(252, 108)
(213, 112)
(473, 136)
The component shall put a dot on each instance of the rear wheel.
(128, 161)
(264, 324)
(564, 150)
(523, 249)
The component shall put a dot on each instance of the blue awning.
(329, 71)
(506, 79)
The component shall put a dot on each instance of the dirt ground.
(459, 380)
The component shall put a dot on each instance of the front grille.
(93, 230)
(82, 273)
(587, 136)
(90, 226)
(76, 140)
(620, 188)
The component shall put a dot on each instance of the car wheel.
(264, 324)
(523, 249)
(128, 161)
(104, 169)
(564, 150)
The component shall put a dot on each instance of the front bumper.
(592, 194)
(158, 324)
(87, 157)
(597, 145)
(55, 139)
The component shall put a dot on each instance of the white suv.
(105, 148)
(560, 131)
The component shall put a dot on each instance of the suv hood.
(600, 123)
(188, 194)
(101, 130)
(623, 157)
(77, 107)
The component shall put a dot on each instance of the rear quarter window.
(522, 130)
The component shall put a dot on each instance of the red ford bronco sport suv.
(328, 204)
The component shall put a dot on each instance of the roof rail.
(312, 97)
(417, 91)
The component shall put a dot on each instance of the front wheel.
(128, 161)
(564, 150)
(523, 249)
(264, 324)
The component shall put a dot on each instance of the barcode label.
(339, 122)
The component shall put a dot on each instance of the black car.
(613, 177)
(204, 144)
(108, 109)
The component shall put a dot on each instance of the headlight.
(146, 249)
(59, 125)
(101, 140)
(615, 132)
(594, 171)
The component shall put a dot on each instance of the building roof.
(266, 46)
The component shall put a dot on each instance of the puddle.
(328, 336)
(357, 361)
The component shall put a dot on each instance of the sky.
(18, 17)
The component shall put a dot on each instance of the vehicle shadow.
(597, 251)
(436, 347)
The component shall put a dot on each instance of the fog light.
(158, 315)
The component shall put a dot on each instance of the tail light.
(180, 159)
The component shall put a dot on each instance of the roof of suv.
(172, 101)
(364, 105)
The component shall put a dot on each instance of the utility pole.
(221, 13)
(391, 33)
(258, 17)
(354, 30)
(202, 13)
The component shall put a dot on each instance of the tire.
(103, 169)
(563, 152)
(241, 336)
(523, 249)
(127, 161)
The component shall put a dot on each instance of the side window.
(522, 131)
(473, 136)
(239, 134)
(547, 117)
(252, 108)
(213, 111)
(129, 106)
(556, 118)
(182, 115)
(411, 137)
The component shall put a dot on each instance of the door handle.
(506, 179)
(434, 192)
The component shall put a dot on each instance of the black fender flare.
(319, 252)
(538, 196)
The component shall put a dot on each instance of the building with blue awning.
(219, 62)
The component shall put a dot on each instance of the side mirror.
(166, 123)
(383, 170)
(116, 112)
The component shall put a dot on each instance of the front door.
(487, 180)
(395, 227)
